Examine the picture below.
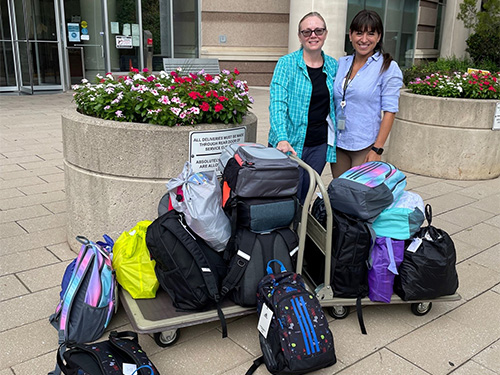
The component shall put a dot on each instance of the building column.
(454, 33)
(333, 11)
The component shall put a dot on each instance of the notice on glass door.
(73, 32)
(126, 29)
(496, 118)
(115, 28)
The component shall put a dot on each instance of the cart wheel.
(421, 308)
(167, 338)
(339, 312)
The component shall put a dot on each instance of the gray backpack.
(248, 260)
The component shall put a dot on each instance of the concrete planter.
(445, 137)
(115, 172)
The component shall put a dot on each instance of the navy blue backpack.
(298, 340)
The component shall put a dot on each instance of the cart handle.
(315, 179)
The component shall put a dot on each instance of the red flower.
(223, 98)
(218, 107)
(178, 80)
(491, 88)
(187, 79)
(204, 106)
(102, 80)
(134, 70)
(208, 77)
(236, 71)
(212, 92)
(145, 70)
(193, 76)
(195, 95)
(150, 78)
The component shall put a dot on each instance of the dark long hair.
(368, 20)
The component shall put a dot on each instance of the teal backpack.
(402, 219)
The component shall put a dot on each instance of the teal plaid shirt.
(290, 95)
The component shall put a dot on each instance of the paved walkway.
(460, 337)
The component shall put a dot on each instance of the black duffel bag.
(106, 357)
(428, 268)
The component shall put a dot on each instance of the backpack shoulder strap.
(255, 365)
(105, 358)
(189, 239)
(243, 255)
(290, 238)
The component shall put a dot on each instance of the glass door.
(85, 42)
(29, 46)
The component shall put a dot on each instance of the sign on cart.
(206, 147)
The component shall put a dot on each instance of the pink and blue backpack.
(88, 294)
(364, 191)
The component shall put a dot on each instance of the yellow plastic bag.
(135, 271)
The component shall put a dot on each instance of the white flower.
(85, 80)
(175, 110)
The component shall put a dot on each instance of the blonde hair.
(312, 14)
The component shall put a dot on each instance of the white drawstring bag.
(201, 205)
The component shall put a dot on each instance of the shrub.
(482, 44)
(459, 85)
(169, 99)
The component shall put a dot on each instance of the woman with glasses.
(301, 100)
(366, 94)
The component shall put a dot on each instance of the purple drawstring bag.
(387, 255)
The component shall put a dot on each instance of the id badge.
(341, 121)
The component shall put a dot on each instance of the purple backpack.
(386, 256)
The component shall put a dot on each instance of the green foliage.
(459, 85)
(169, 99)
(483, 43)
(447, 66)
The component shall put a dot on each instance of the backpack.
(257, 171)
(247, 264)
(402, 219)
(88, 295)
(298, 339)
(365, 190)
(352, 243)
(109, 357)
(428, 268)
(186, 267)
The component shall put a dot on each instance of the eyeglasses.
(307, 33)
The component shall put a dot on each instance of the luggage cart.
(309, 228)
(159, 316)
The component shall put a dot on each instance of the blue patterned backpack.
(298, 339)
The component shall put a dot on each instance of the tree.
(482, 44)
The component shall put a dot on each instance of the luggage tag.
(129, 368)
(266, 315)
(415, 244)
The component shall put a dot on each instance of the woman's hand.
(285, 147)
(372, 156)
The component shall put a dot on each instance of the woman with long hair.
(366, 94)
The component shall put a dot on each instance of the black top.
(319, 108)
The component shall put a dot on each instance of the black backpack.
(186, 267)
(352, 242)
(248, 261)
(299, 339)
(106, 357)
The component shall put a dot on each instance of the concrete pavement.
(460, 337)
